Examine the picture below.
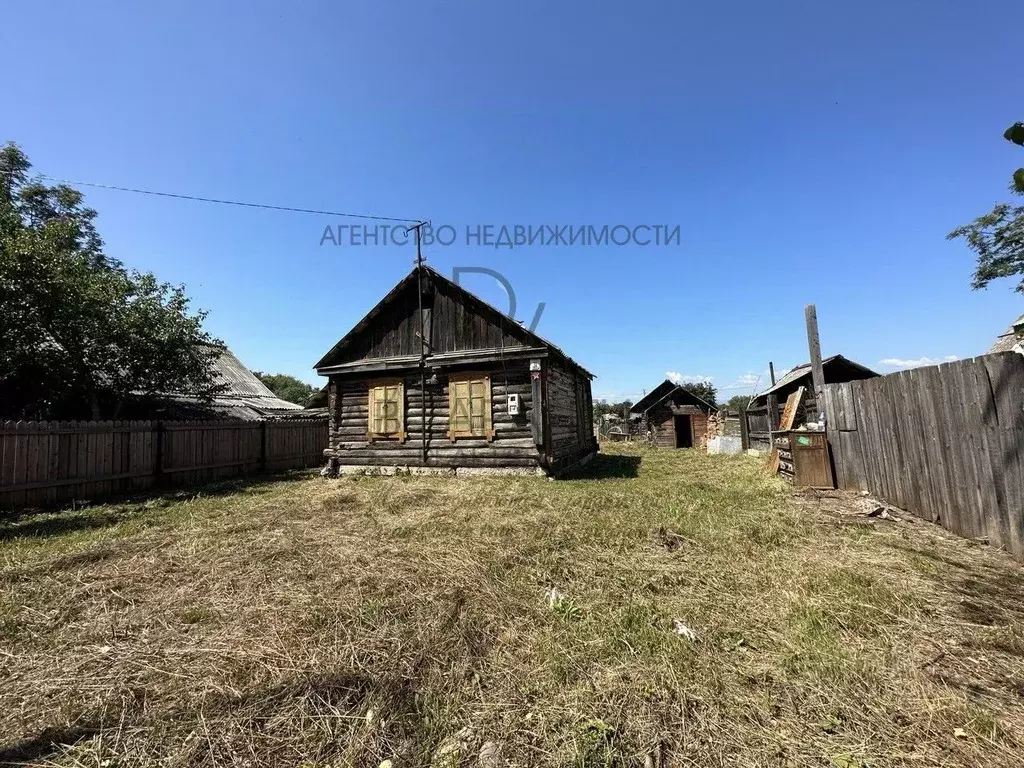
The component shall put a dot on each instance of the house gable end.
(455, 321)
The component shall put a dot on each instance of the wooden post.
(263, 446)
(771, 371)
(158, 469)
(772, 414)
(744, 429)
(814, 345)
(537, 386)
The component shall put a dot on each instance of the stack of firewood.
(716, 426)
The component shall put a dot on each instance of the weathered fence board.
(758, 428)
(944, 442)
(45, 463)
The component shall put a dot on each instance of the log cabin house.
(672, 417)
(434, 379)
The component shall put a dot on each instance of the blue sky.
(809, 152)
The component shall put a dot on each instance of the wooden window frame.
(372, 436)
(471, 376)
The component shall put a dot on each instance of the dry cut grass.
(310, 622)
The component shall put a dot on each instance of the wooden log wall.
(944, 442)
(45, 463)
(699, 428)
(662, 425)
(569, 410)
(427, 414)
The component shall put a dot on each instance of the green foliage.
(601, 407)
(287, 387)
(705, 390)
(997, 237)
(1015, 133)
(81, 334)
(737, 403)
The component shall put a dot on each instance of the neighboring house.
(672, 417)
(1012, 340)
(435, 377)
(245, 397)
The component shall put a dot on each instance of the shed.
(673, 417)
(434, 378)
(836, 369)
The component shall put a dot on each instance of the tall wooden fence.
(50, 462)
(944, 442)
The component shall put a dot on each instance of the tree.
(705, 390)
(602, 407)
(737, 403)
(997, 237)
(287, 387)
(81, 335)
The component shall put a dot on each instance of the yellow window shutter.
(469, 403)
(386, 410)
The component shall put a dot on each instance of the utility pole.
(423, 340)
(814, 345)
(419, 253)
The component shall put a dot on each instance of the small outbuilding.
(435, 379)
(673, 417)
(836, 369)
(760, 414)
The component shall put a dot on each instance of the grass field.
(310, 622)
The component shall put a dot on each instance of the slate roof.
(795, 374)
(246, 397)
(1009, 339)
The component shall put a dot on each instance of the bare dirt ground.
(663, 608)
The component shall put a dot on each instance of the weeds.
(352, 621)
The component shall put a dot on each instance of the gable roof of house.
(795, 374)
(660, 393)
(406, 283)
(653, 396)
(1009, 339)
(245, 396)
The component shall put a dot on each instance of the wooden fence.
(756, 430)
(43, 463)
(944, 442)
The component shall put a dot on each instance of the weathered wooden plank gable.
(466, 324)
(458, 323)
